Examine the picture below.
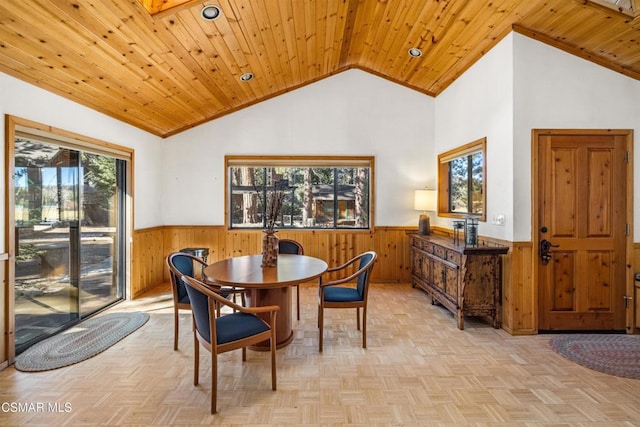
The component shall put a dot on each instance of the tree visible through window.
(317, 193)
(465, 184)
(461, 181)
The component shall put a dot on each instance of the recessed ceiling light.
(246, 77)
(415, 52)
(210, 12)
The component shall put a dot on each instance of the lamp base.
(424, 226)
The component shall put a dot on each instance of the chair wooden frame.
(214, 299)
(322, 304)
(300, 251)
(174, 276)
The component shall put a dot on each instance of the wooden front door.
(582, 229)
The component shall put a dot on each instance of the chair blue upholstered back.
(200, 309)
(289, 247)
(184, 264)
(231, 327)
(363, 278)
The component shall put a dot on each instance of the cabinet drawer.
(454, 257)
(417, 243)
(440, 252)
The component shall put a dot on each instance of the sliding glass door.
(68, 232)
(99, 232)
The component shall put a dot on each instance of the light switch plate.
(498, 220)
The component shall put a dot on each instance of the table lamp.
(424, 200)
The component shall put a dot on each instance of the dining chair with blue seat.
(182, 264)
(219, 334)
(330, 295)
(289, 246)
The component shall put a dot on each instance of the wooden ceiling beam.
(346, 35)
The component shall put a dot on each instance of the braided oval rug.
(617, 355)
(84, 340)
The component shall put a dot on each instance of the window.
(319, 192)
(461, 181)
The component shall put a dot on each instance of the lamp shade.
(424, 200)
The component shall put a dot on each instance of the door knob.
(545, 250)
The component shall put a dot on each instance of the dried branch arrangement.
(275, 201)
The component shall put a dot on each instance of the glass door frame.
(47, 197)
(13, 125)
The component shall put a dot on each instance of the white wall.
(27, 101)
(520, 85)
(352, 113)
(480, 104)
(553, 89)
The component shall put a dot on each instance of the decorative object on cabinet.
(458, 230)
(466, 280)
(424, 200)
(471, 232)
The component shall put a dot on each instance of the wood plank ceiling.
(172, 70)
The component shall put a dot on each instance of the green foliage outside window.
(462, 181)
(465, 178)
(317, 197)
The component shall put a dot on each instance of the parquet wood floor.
(418, 369)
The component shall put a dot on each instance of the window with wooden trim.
(462, 181)
(319, 192)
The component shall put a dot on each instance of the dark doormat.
(611, 354)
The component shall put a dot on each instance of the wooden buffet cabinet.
(465, 280)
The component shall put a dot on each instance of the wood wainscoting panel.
(519, 292)
(147, 264)
(151, 246)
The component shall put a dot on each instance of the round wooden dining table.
(267, 285)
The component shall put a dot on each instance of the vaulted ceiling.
(157, 65)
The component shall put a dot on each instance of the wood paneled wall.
(147, 260)
(151, 246)
(519, 293)
(518, 290)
